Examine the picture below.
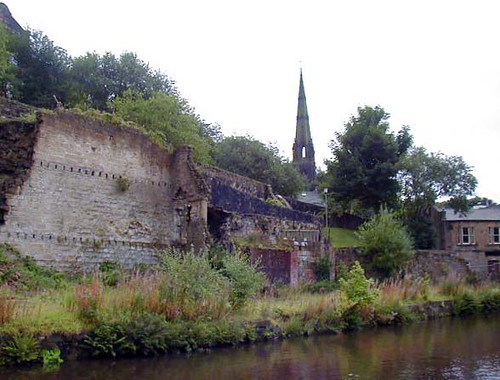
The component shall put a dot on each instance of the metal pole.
(326, 212)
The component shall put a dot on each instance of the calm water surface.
(445, 349)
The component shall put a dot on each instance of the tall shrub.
(386, 242)
(192, 286)
(246, 280)
(356, 287)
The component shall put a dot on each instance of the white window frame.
(467, 233)
(494, 235)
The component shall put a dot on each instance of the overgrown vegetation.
(194, 302)
(20, 273)
(251, 158)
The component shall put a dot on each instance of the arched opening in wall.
(303, 152)
(216, 219)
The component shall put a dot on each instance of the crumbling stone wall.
(17, 140)
(436, 264)
(227, 198)
(238, 209)
(88, 192)
(272, 230)
(216, 176)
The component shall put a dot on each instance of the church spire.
(303, 149)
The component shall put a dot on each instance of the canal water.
(444, 349)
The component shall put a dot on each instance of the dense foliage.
(386, 242)
(362, 174)
(249, 157)
(425, 177)
(98, 80)
(356, 287)
(167, 117)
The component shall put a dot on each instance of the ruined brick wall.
(279, 265)
(97, 192)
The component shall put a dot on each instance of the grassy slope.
(343, 237)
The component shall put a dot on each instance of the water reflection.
(445, 349)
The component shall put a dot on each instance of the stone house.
(473, 236)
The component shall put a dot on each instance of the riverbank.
(200, 305)
(150, 335)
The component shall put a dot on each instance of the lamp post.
(325, 191)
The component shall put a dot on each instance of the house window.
(494, 235)
(467, 235)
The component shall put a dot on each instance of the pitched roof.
(311, 197)
(491, 213)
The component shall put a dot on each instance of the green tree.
(98, 80)
(167, 117)
(7, 68)
(356, 287)
(386, 242)
(425, 177)
(249, 157)
(362, 174)
(42, 69)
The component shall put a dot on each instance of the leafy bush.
(466, 304)
(386, 242)
(322, 268)
(356, 287)
(191, 285)
(490, 300)
(52, 359)
(147, 335)
(351, 318)
(150, 334)
(123, 184)
(21, 348)
(106, 341)
(22, 273)
(110, 272)
(246, 280)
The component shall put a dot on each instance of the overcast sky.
(433, 65)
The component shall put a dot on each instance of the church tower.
(303, 149)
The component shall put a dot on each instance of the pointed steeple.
(303, 149)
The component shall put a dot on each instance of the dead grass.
(291, 303)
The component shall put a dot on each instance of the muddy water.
(444, 349)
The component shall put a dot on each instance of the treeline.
(373, 168)
(34, 71)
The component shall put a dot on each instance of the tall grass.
(88, 300)
(8, 307)
(184, 286)
(405, 289)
